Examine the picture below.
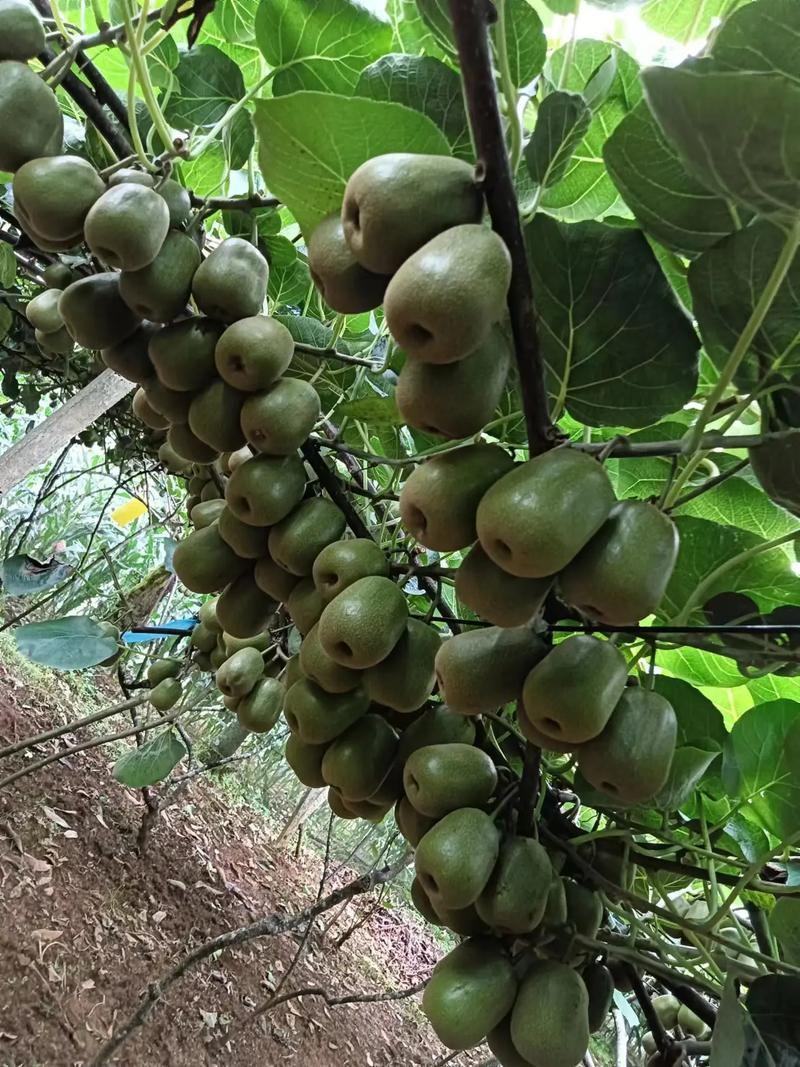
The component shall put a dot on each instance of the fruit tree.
(465, 335)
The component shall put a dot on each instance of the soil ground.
(86, 924)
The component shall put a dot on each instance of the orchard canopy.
(437, 366)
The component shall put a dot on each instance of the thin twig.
(70, 727)
(94, 743)
(352, 998)
(331, 353)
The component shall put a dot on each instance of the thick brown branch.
(270, 926)
(470, 27)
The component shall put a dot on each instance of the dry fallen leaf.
(55, 817)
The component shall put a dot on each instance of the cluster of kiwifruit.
(674, 1015)
(551, 522)
(410, 236)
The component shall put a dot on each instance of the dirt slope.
(86, 924)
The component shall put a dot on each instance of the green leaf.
(436, 16)
(728, 1039)
(151, 762)
(206, 175)
(586, 190)
(667, 201)
(762, 37)
(684, 21)
(410, 34)
(774, 687)
(736, 502)
(698, 719)
(526, 44)
(737, 133)
(240, 223)
(22, 575)
(208, 83)
(310, 144)
(701, 668)
(749, 838)
(761, 764)
(375, 410)
(307, 331)
(289, 281)
(8, 266)
(235, 19)
(68, 644)
(424, 84)
(766, 577)
(774, 1006)
(689, 765)
(618, 349)
(163, 59)
(726, 283)
(561, 124)
(238, 139)
(318, 44)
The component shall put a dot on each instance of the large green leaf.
(728, 1040)
(410, 34)
(736, 502)
(310, 144)
(208, 83)
(206, 175)
(526, 44)
(561, 124)
(698, 719)
(151, 762)
(701, 668)
(683, 20)
(762, 36)
(761, 765)
(235, 19)
(774, 687)
(726, 283)
(436, 16)
(319, 44)
(737, 132)
(424, 84)
(618, 349)
(774, 1006)
(586, 190)
(68, 644)
(766, 577)
(667, 201)
(238, 140)
(690, 764)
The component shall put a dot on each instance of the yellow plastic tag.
(128, 512)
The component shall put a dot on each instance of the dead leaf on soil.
(37, 865)
(53, 816)
(46, 935)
